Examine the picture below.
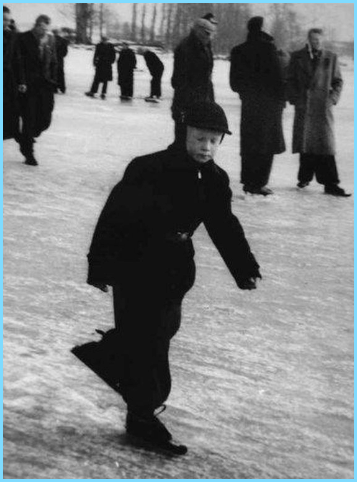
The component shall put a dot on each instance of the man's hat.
(207, 115)
(211, 18)
(207, 25)
(255, 24)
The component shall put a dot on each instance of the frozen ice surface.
(262, 381)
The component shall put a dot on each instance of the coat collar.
(180, 159)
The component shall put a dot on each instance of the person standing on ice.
(156, 69)
(62, 51)
(142, 247)
(126, 65)
(314, 88)
(104, 57)
(13, 79)
(256, 75)
(38, 52)
(193, 66)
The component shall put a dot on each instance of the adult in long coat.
(192, 74)
(61, 51)
(13, 79)
(104, 57)
(142, 247)
(38, 52)
(126, 66)
(256, 75)
(156, 69)
(314, 87)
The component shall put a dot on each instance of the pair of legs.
(127, 86)
(324, 168)
(36, 115)
(95, 85)
(255, 172)
(155, 86)
(145, 323)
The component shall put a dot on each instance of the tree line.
(165, 24)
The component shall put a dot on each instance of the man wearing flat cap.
(142, 247)
(193, 65)
(256, 75)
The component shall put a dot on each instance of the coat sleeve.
(235, 74)
(292, 82)
(130, 219)
(17, 62)
(179, 76)
(336, 82)
(228, 236)
(96, 56)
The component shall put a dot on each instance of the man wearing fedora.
(193, 65)
(142, 246)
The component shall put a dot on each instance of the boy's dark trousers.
(145, 323)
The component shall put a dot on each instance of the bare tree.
(134, 21)
(82, 11)
(143, 18)
(153, 22)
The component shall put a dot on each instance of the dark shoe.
(103, 96)
(150, 432)
(335, 190)
(262, 191)
(31, 161)
(89, 94)
(302, 184)
(147, 427)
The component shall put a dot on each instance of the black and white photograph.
(178, 241)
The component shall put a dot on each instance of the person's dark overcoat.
(191, 78)
(161, 195)
(104, 57)
(13, 76)
(154, 64)
(61, 51)
(314, 93)
(40, 72)
(256, 75)
(126, 65)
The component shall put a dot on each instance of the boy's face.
(202, 144)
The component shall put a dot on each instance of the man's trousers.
(323, 166)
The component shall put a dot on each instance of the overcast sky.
(330, 16)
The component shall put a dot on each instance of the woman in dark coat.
(191, 78)
(126, 65)
(13, 80)
(104, 57)
(256, 75)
